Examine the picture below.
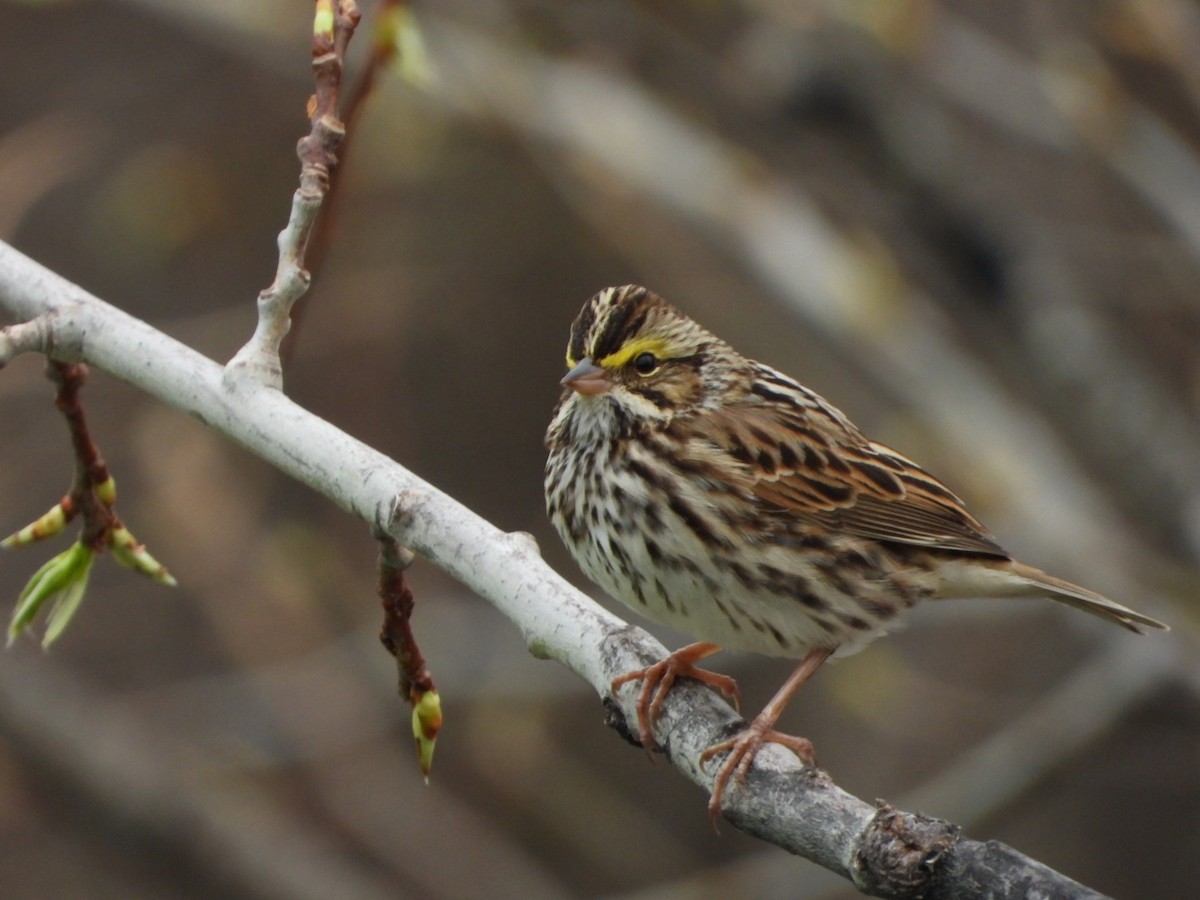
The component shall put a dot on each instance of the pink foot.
(658, 678)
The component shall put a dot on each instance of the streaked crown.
(615, 320)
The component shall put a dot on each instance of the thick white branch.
(504, 568)
(881, 850)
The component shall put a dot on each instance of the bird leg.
(745, 745)
(658, 678)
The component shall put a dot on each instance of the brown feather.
(818, 467)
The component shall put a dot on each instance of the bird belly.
(781, 605)
(690, 563)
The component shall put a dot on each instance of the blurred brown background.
(973, 225)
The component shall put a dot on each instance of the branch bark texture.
(883, 851)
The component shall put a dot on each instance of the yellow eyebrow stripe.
(633, 349)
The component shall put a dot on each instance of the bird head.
(632, 353)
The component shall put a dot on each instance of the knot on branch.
(899, 851)
(397, 513)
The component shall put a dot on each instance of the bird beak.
(587, 378)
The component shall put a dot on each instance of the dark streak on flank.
(694, 521)
(647, 473)
(662, 592)
(735, 624)
(854, 622)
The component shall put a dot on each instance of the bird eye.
(645, 364)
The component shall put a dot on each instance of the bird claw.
(742, 749)
(658, 678)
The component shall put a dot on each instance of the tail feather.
(1083, 599)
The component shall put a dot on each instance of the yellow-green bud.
(323, 20)
(106, 491)
(426, 722)
(128, 552)
(50, 524)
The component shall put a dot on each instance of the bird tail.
(1081, 598)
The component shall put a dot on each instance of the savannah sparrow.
(714, 494)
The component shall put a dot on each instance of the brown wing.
(810, 462)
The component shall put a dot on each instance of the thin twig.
(381, 55)
(334, 26)
(91, 471)
(416, 682)
(397, 634)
